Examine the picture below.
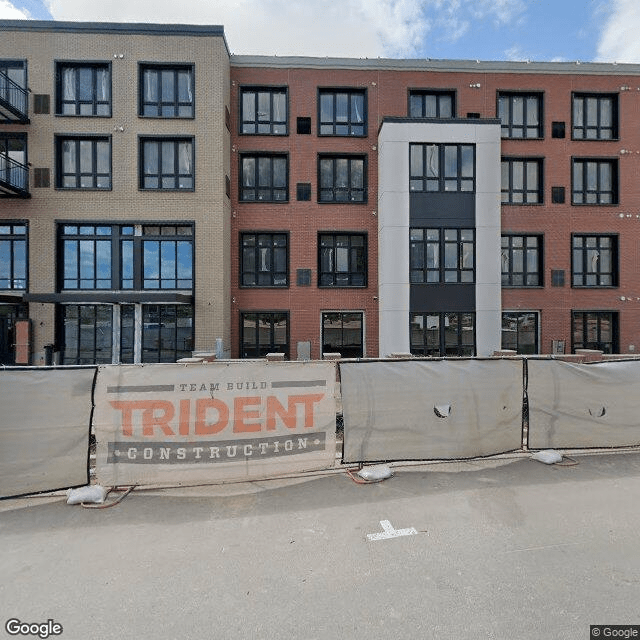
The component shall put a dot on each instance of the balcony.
(14, 101)
(14, 178)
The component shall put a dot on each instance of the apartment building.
(159, 194)
(442, 208)
(114, 169)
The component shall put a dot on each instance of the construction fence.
(230, 421)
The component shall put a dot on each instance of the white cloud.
(619, 41)
(9, 12)
(353, 28)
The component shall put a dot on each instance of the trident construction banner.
(199, 423)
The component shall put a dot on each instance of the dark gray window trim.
(613, 160)
(438, 91)
(79, 63)
(257, 154)
(264, 87)
(272, 232)
(541, 176)
(143, 64)
(365, 173)
(58, 138)
(166, 137)
(539, 93)
(346, 89)
(616, 114)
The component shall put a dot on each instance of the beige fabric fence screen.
(181, 423)
(583, 405)
(44, 429)
(420, 410)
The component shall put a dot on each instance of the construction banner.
(44, 429)
(583, 405)
(427, 410)
(199, 423)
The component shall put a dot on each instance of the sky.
(536, 30)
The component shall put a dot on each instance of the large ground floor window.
(343, 333)
(263, 332)
(443, 334)
(127, 333)
(520, 331)
(595, 330)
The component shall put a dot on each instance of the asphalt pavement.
(503, 548)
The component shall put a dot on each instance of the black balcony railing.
(14, 178)
(14, 100)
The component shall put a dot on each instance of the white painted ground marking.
(390, 532)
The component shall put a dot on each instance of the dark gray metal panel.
(442, 297)
(450, 210)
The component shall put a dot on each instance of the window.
(166, 91)
(13, 85)
(167, 163)
(342, 332)
(264, 178)
(263, 111)
(520, 332)
(342, 260)
(595, 116)
(442, 334)
(89, 336)
(342, 113)
(264, 332)
(13, 256)
(521, 181)
(83, 163)
(595, 330)
(442, 167)
(264, 260)
(521, 115)
(140, 257)
(167, 332)
(342, 179)
(13, 160)
(441, 255)
(521, 261)
(432, 104)
(595, 181)
(594, 261)
(83, 89)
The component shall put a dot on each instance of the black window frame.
(269, 190)
(94, 102)
(427, 176)
(356, 274)
(511, 192)
(268, 126)
(65, 339)
(432, 246)
(278, 279)
(81, 173)
(517, 322)
(158, 335)
(510, 128)
(598, 128)
(161, 175)
(16, 233)
(126, 263)
(438, 95)
(175, 103)
(256, 350)
(531, 275)
(440, 348)
(580, 273)
(603, 197)
(356, 350)
(354, 194)
(580, 321)
(351, 125)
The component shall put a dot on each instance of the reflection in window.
(167, 332)
(431, 104)
(521, 115)
(13, 256)
(442, 334)
(595, 116)
(264, 111)
(167, 164)
(342, 332)
(342, 113)
(595, 330)
(264, 260)
(342, 260)
(342, 179)
(87, 333)
(441, 255)
(595, 181)
(442, 167)
(263, 333)
(520, 332)
(264, 178)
